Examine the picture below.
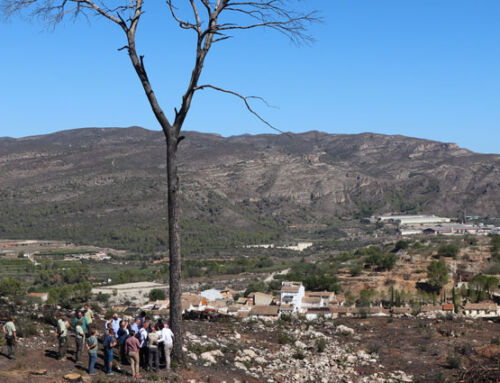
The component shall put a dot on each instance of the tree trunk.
(174, 245)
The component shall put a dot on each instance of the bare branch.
(196, 16)
(53, 12)
(182, 23)
(273, 14)
(245, 100)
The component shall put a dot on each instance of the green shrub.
(157, 295)
(496, 341)
(373, 348)
(103, 298)
(356, 270)
(401, 245)
(453, 361)
(321, 345)
(286, 318)
(284, 338)
(449, 250)
(12, 288)
(299, 354)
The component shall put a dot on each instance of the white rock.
(241, 366)
(260, 360)
(344, 330)
(249, 353)
(299, 344)
(209, 356)
(193, 356)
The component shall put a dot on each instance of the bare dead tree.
(211, 21)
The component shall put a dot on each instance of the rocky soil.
(348, 350)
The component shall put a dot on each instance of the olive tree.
(437, 274)
(212, 21)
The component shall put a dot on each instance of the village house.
(448, 308)
(211, 294)
(261, 299)
(233, 309)
(264, 312)
(341, 311)
(430, 309)
(291, 294)
(481, 310)
(245, 301)
(193, 302)
(286, 310)
(327, 297)
(227, 293)
(219, 305)
(314, 313)
(310, 302)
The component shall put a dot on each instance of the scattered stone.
(300, 344)
(240, 366)
(249, 353)
(38, 372)
(344, 330)
(209, 356)
(73, 378)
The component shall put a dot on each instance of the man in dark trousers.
(109, 343)
(9, 329)
(62, 335)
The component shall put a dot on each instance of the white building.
(291, 294)
(301, 246)
(211, 294)
(410, 219)
(457, 229)
(481, 310)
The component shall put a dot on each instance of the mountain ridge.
(107, 184)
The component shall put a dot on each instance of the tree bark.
(174, 244)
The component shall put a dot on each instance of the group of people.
(81, 325)
(140, 343)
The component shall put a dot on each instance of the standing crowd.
(139, 343)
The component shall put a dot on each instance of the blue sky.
(422, 68)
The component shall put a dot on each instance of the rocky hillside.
(108, 185)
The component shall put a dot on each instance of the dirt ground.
(419, 347)
(424, 348)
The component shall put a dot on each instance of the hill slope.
(107, 185)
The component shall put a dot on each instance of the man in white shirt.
(167, 336)
(116, 323)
